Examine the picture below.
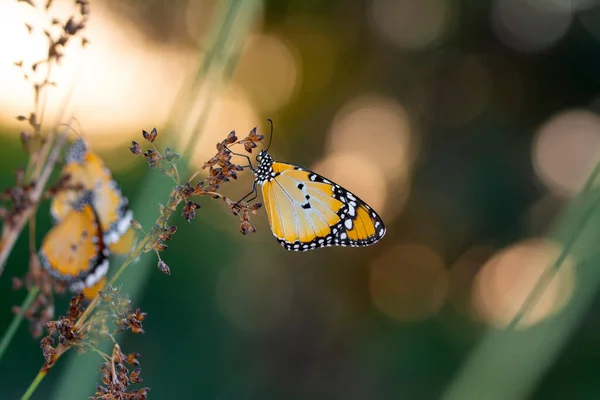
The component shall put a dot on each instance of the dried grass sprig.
(81, 327)
(43, 148)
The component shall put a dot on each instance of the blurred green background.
(467, 124)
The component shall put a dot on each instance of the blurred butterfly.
(88, 170)
(307, 211)
(74, 250)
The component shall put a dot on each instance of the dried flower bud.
(135, 376)
(164, 268)
(231, 138)
(132, 359)
(151, 137)
(135, 224)
(246, 227)
(135, 148)
(160, 247)
(170, 155)
(189, 210)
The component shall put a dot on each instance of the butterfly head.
(77, 152)
(264, 169)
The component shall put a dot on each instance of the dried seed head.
(171, 156)
(153, 157)
(163, 267)
(151, 137)
(189, 210)
(136, 225)
(246, 227)
(135, 148)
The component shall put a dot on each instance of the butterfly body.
(307, 211)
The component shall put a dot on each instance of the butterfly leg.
(245, 166)
(236, 205)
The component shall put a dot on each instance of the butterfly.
(307, 211)
(87, 169)
(74, 250)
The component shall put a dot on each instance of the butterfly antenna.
(80, 127)
(271, 134)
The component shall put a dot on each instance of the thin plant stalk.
(14, 324)
(542, 283)
(60, 350)
(31, 389)
(509, 363)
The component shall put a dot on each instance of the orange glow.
(408, 282)
(231, 111)
(505, 281)
(566, 149)
(121, 79)
(254, 297)
(379, 129)
(269, 71)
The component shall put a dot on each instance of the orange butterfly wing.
(307, 211)
(73, 250)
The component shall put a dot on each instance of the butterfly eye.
(258, 157)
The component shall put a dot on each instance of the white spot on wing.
(351, 210)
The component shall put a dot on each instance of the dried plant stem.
(60, 349)
(10, 239)
(229, 32)
(12, 328)
(132, 256)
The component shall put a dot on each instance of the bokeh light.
(316, 39)
(528, 26)
(379, 129)
(566, 149)
(269, 72)
(412, 25)
(231, 111)
(198, 17)
(505, 281)
(409, 282)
